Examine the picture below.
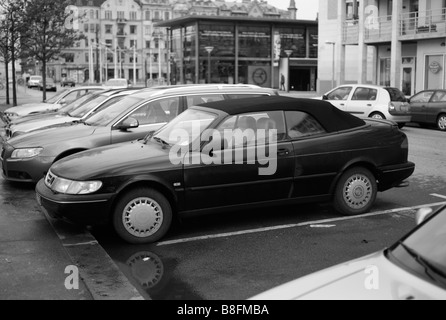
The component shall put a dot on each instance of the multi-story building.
(399, 43)
(121, 39)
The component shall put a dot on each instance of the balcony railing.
(423, 24)
(351, 32)
(378, 29)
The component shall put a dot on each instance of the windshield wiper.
(161, 141)
(431, 271)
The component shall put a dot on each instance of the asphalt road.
(238, 255)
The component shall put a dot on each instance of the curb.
(102, 277)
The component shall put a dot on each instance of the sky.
(307, 9)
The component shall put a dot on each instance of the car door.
(339, 96)
(435, 106)
(151, 115)
(315, 162)
(237, 179)
(362, 101)
(418, 106)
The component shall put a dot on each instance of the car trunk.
(398, 105)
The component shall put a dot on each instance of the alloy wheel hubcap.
(142, 217)
(377, 116)
(442, 123)
(357, 191)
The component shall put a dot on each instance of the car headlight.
(66, 186)
(11, 114)
(26, 153)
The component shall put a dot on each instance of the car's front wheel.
(142, 215)
(377, 115)
(441, 122)
(355, 192)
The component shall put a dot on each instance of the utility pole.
(98, 65)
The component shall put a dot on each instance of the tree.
(4, 52)
(49, 31)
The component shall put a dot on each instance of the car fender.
(150, 180)
(357, 162)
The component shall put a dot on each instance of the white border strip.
(289, 226)
(438, 195)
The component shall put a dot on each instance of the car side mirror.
(129, 123)
(63, 102)
(422, 215)
(408, 100)
(324, 97)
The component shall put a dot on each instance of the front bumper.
(392, 176)
(25, 170)
(82, 209)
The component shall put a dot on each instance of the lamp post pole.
(209, 50)
(288, 53)
(333, 62)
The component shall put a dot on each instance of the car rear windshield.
(396, 95)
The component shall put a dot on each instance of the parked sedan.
(412, 269)
(49, 84)
(371, 101)
(72, 113)
(33, 81)
(429, 108)
(313, 152)
(27, 157)
(51, 105)
(68, 82)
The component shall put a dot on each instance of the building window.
(109, 43)
(108, 15)
(86, 27)
(434, 72)
(92, 27)
(69, 57)
(133, 15)
(132, 29)
(352, 10)
(148, 44)
(121, 14)
(133, 43)
(157, 16)
(148, 15)
(166, 15)
(108, 28)
(91, 14)
(384, 72)
(87, 57)
(147, 30)
(110, 57)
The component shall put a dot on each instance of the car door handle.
(283, 152)
(369, 105)
(342, 104)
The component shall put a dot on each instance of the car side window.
(255, 126)
(301, 124)
(195, 100)
(365, 94)
(422, 97)
(71, 97)
(340, 93)
(439, 96)
(158, 111)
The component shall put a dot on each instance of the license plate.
(39, 199)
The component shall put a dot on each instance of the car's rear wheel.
(142, 215)
(441, 122)
(355, 192)
(377, 115)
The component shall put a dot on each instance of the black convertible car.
(230, 155)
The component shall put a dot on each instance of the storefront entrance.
(408, 76)
(303, 78)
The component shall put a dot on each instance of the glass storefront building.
(215, 49)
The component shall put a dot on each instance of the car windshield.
(427, 246)
(57, 97)
(108, 115)
(86, 107)
(192, 121)
(76, 103)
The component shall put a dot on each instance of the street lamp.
(158, 34)
(288, 54)
(333, 62)
(173, 68)
(209, 50)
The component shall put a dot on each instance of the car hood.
(42, 123)
(352, 281)
(33, 108)
(34, 117)
(50, 136)
(113, 160)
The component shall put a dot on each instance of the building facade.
(242, 49)
(122, 39)
(398, 43)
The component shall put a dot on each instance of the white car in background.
(34, 81)
(51, 105)
(369, 101)
(412, 269)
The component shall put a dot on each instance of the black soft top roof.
(330, 117)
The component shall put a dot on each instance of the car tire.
(355, 192)
(441, 122)
(143, 208)
(377, 115)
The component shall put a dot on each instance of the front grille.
(49, 179)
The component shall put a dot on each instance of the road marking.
(322, 226)
(297, 225)
(89, 243)
(438, 196)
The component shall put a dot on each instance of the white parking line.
(438, 196)
(289, 226)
